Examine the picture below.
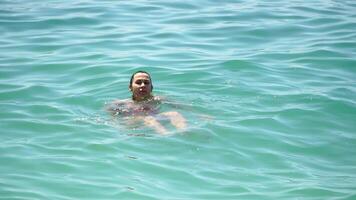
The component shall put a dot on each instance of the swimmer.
(143, 106)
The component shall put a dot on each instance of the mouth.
(142, 91)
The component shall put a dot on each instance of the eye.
(147, 82)
(139, 82)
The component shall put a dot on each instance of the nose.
(142, 84)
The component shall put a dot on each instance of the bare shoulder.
(120, 102)
(117, 105)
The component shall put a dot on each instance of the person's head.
(141, 85)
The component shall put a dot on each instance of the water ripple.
(267, 89)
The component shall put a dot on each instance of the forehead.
(141, 76)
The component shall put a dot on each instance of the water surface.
(268, 88)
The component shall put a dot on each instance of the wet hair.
(144, 72)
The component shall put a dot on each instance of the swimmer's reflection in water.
(143, 106)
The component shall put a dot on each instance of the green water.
(268, 89)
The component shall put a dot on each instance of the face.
(141, 86)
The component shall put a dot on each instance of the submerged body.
(144, 106)
(129, 107)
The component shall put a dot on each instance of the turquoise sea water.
(268, 89)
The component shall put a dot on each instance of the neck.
(140, 99)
